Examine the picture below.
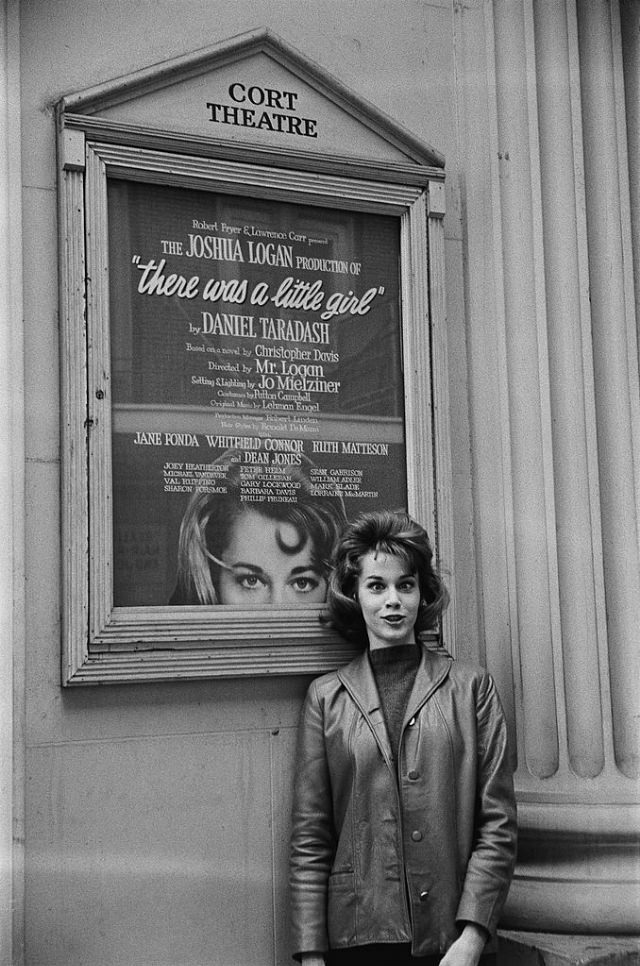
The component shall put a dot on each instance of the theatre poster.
(256, 356)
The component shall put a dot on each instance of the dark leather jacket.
(384, 853)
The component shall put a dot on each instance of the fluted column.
(580, 586)
(527, 383)
(630, 17)
(615, 354)
(566, 433)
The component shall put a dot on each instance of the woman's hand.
(468, 947)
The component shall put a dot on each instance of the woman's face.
(258, 571)
(389, 596)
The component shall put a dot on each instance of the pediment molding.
(155, 98)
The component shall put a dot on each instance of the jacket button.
(412, 722)
(416, 836)
(413, 775)
(424, 895)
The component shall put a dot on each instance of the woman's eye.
(249, 581)
(304, 585)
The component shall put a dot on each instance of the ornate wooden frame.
(103, 643)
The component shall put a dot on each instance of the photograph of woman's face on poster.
(240, 549)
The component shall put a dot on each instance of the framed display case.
(250, 360)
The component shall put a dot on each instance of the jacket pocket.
(341, 909)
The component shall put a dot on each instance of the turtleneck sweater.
(394, 669)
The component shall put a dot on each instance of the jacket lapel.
(432, 671)
(359, 681)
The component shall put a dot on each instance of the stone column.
(564, 450)
(630, 17)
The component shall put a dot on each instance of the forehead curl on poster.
(258, 550)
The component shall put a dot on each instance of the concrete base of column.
(578, 870)
(553, 949)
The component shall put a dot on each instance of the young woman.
(261, 550)
(404, 834)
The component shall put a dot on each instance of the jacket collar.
(358, 679)
(432, 671)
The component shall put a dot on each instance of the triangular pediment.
(254, 89)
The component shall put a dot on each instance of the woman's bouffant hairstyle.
(390, 532)
(208, 521)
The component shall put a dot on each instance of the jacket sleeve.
(492, 860)
(312, 836)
